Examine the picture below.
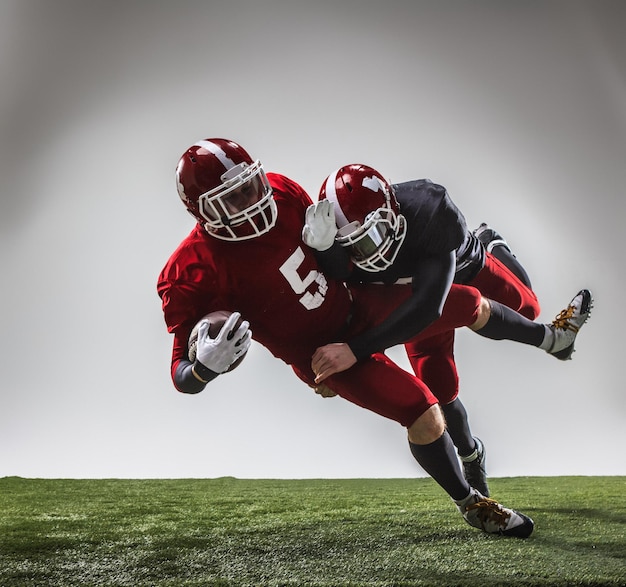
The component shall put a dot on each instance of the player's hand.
(330, 359)
(219, 353)
(319, 225)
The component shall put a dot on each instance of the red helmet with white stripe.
(367, 215)
(226, 190)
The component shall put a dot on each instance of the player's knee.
(484, 313)
(428, 427)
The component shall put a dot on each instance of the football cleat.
(491, 517)
(490, 238)
(474, 469)
(567, 324)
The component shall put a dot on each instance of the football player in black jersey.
(365, 230)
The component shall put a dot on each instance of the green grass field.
(230, 532)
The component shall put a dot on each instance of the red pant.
(378, 384)
(496, 282)
(432, 356)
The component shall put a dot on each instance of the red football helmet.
(367, 214)
(226, 190)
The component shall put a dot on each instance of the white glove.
(219, 353)
(319, 225)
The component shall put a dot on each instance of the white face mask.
(375, 244)
(242, 207)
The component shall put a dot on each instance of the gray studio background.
(519, 108)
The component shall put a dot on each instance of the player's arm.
(432, 280)
(185, 289)
(335, 262)
(187, 380)
(213, 355)
(431, 284)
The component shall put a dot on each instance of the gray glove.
(219, 353)
(319, 225)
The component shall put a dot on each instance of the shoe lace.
(489, 510)
(562, 321)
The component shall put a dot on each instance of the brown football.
(216, 321)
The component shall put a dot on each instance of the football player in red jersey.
(246, 254)
(365, 230)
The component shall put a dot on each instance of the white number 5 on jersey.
(290, 270)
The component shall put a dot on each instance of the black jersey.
(434, 226)
(438, 249)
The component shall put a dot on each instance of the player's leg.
(496, 282)
(431, 355)
(381, 386)
(433, 449)
(499, 322)
(495, 244)
(372, 303)
(470, 448)
(557, 339)
(432, 360)
(438, 459)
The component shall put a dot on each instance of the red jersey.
(272, 280)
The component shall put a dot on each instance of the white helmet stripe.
(331, 194)
(225, 160)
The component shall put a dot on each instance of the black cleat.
(490, 238)
(474, 470)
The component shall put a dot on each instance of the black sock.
(439, 460)
(509, 260)
(507, 324)
(458, 427)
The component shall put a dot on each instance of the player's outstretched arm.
(431, 284)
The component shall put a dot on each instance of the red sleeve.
(187, 287)
(181, 312)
